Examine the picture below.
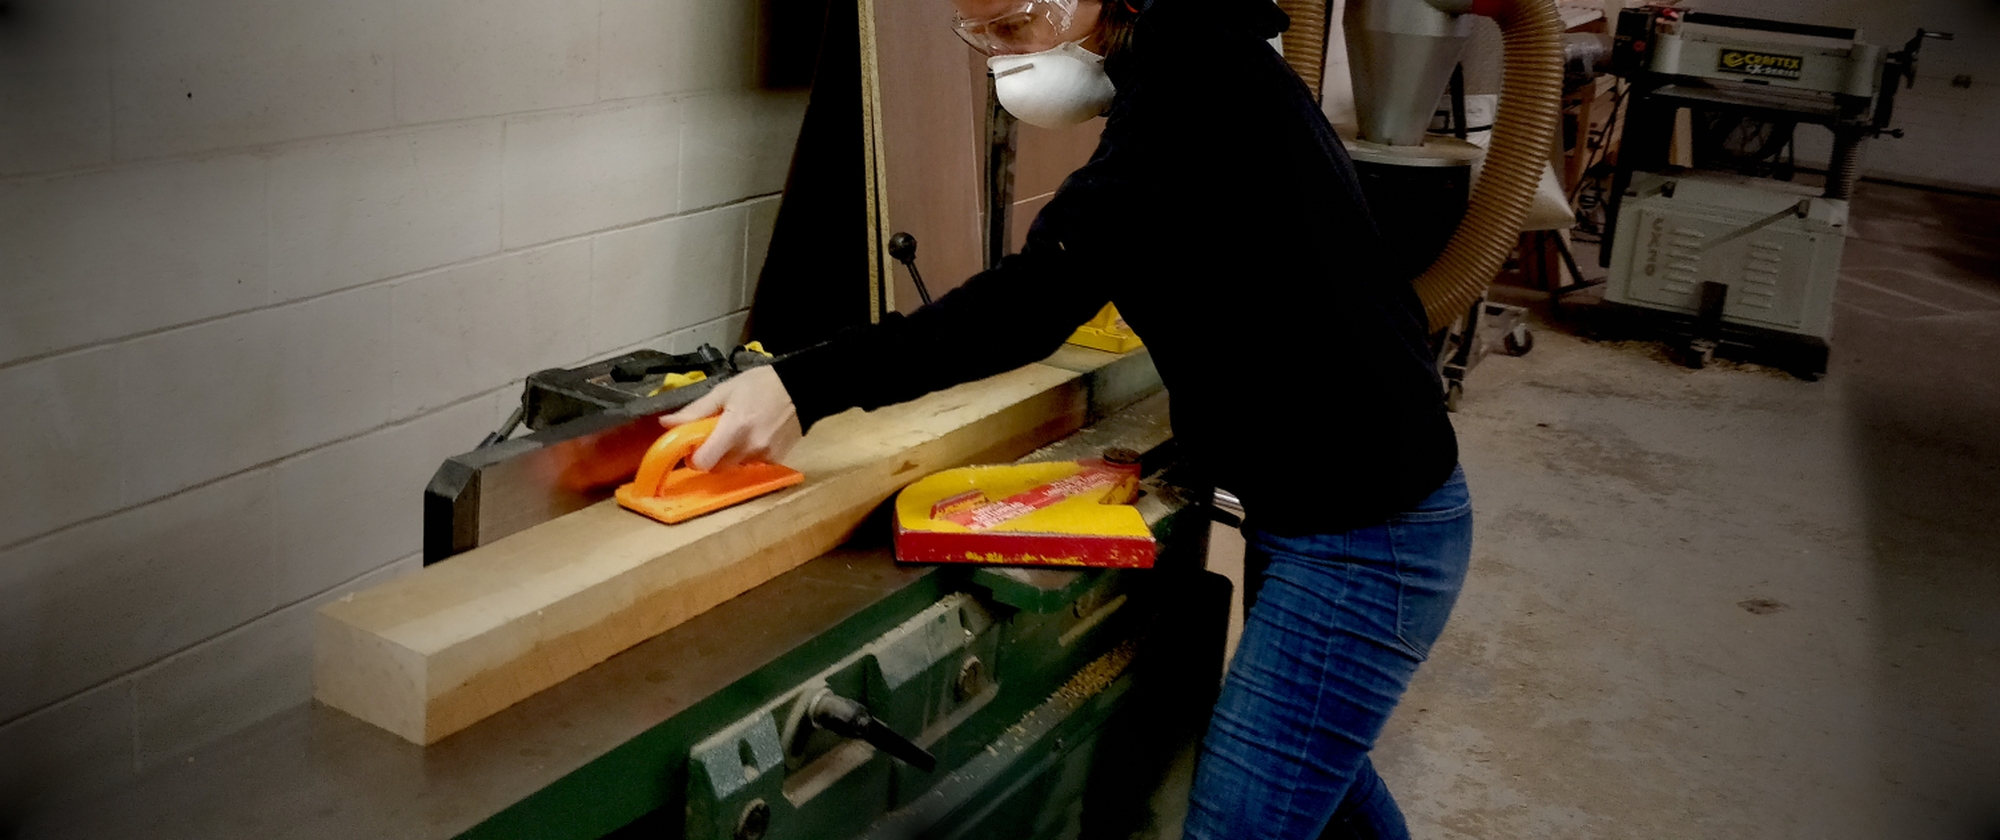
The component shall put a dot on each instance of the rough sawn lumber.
(431, 653)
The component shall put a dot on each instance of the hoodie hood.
(1261, 18)
(1184, 24)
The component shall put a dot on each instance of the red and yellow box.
(1056, 513)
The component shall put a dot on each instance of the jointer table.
(1054, 701)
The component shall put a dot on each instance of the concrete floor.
(1726, 602)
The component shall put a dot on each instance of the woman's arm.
(1000, 319)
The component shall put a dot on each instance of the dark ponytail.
(1115, 20)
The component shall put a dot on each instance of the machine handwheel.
(1518, 341)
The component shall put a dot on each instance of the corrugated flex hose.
(1523, 129)
(1305, 40)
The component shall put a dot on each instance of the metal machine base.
(1487, 327)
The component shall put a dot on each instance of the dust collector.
(1448, 234)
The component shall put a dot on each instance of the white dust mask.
(1052, 88)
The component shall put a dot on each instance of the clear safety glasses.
(1033, 26)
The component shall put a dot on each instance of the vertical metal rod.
(1001, 135)
(881, 297)
(1457, 89)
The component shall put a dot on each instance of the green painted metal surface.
(980, 666)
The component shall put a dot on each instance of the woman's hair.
(1115, 19)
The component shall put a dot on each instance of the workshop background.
(264, 265)
(1951, 127)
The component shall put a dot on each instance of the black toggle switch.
(848, 719)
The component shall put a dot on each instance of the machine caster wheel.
(1453, 394)
(1517, 342)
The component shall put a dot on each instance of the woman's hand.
(758, 421)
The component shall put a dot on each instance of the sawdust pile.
(1092, 678)
(1661, 352)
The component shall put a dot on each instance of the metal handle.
(1226, 508)
(849, 719)
(656, 469)
(903, 247)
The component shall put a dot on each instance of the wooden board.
(427, 655)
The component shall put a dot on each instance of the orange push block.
(1059, 513)
(667, 491)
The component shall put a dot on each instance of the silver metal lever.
(1228, 509)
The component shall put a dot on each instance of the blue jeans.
(1336, 625)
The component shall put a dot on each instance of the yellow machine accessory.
(1057, 513)
(1106, 332)
(670, 492)
(678, 380)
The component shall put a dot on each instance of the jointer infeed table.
(1054, 701)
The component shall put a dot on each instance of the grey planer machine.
(1728, 251)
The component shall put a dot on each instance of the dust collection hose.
(1523, 130)
(1305, 40)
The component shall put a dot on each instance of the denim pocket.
(1448, 502)
(1432, 546)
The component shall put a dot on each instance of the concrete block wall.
(264, 265)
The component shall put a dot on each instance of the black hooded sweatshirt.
(1223, 217)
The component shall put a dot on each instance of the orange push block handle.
(656, 470)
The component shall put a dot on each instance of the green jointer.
(1054, 701)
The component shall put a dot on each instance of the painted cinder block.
(666, 275)
(110, 254)
(55, 91)
(350, 507)
(358, 209)
(468, 58)
(334, 367)
(576, 172)
(724, 333)
(251, 411)
(70, 749)
(472, 328)
(736, 145)
(60, 422)
(98, 600)
(197, 403)
(238, 678)
(760, 219)
(204, 401)
(221, 397)
(214, 74)
(653, 47)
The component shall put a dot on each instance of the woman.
(1222, 216)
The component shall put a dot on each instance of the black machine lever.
(903, 247)
(849, 719)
